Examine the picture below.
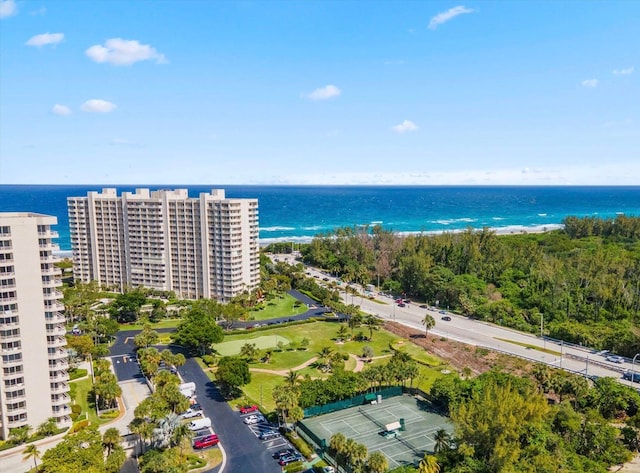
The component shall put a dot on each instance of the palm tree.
(32, 452)
(338, 444)
(180, 433)
(110, 439)
(292, 378)
(442, 439)
(354, 321)
(429, 464)
(372, 323)
(429, 322)
(323, 356)
(377, 463)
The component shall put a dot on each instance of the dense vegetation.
(584, 281)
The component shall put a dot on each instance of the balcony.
(49, 259)
(49, 246)
(53, 282)
(53, 317)
(60, 401)
(54, 306)
(9, 376)
(17, 411)
(51, 271)
(60, 388)
(59, 355)
(57, 342)
(15, 362)
(10, 338)
(55, 295)
(48, 234)
(14, 387)
(59, 377)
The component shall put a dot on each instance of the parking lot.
(273, 444)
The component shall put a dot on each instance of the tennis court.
(367, 424)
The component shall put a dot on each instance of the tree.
(82, 344)
(442, 440)
(18, 435)
(429, 322)
(32, 452)
(198, 331)
(292, 378)
(232, 312)
(354, 321)
(249, 351)
(80, 452)
(110, 439)
(48, 427)
(372, 323)
(367, 352)
(146, 337)
(337, 445)
(232, 373)
(429, 464)
(286, 399)
(377, 463)
(125, 307)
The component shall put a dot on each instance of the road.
(580, 360)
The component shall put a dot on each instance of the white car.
(328, 469)
(254, 419)
(189, 413)
(615, 359)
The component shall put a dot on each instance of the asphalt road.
(245, 452)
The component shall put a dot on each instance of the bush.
(75, 412)
(294, 467)
(209, 360)
(76, 373)
(78, 426)
(303, 447)
(110, 415)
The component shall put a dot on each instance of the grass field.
(531, 347)
(166, 323)
(319, 334)
(278, 307)
(83, 399)
(262, 342)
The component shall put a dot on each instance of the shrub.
(294, 467)
(76, 373)
(75, 412)
(78, 426)
(303, 447)
(209, 360)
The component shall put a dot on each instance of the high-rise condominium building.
(34, 383)
(204, 246)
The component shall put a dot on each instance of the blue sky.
(319, 92)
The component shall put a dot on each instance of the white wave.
(542, 215)
(314, 228)
(299, 239)
(276, 229)
(449, 221)
(377, 222)
(497, 218)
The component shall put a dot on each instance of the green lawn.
(84, 399)
(166, 323)
(417, 353)
(277, 307)
(232, 347)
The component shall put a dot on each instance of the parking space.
(269, 435)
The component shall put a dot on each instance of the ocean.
(298, 213)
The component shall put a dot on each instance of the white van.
(198, 424)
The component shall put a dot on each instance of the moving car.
(401, 304)
(446, 318)
(424, 306)
(248, 409)
(615, 359)
(254, 419)
(205, 442)
(633, 377)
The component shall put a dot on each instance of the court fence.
(359, 400)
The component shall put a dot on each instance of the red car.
(248, 409)
(204, 442)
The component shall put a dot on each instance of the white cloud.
(39, 12)
(623, 72)
(45, 38)
(8, 8)
(61, 110)
(405, 126)
(590, 83)
(122, 52)
(324, 93)
(97, 106)
(450, 14)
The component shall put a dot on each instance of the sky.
(320, 92)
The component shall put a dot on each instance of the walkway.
(360, 361)
(285, 372)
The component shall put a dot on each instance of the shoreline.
(510, 230)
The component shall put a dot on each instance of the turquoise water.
(297, 213)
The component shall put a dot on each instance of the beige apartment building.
(34, 382)
(198, 247)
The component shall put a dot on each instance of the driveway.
(246, 453)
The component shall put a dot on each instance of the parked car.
(253, 419)
(199, 424)
(205, 442)
(285, 460)
(248, 409)
(615, 359)
(424, 306)
(328, 469)
(633, 377)
(191, 412)
(196, 406)
(281, 453)
(269, 434)
(446, 318)
(443, 311)
(401, 304)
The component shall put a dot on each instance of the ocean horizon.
(298, 213)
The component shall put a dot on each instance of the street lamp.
(544, 341)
